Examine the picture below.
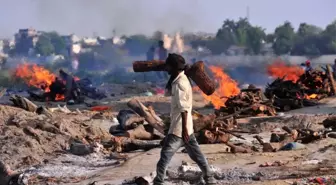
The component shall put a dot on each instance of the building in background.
(25, 41)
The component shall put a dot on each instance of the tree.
(284, 39)
(308, 29)
(57, 41)
(255, 38)
(329, 36)
(270, 38)
(50, 43)
(44, 46)
(307, 40)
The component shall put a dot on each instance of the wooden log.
(204, 121)
(139, 133)
(143, 111)
(238, 149)
(259, 139)
(146, 66)
(124, 144)
(331, 79)
(23, 103)
(224, 131)
(3, 92)
(45, 111)
(131, 122)
(196, 72)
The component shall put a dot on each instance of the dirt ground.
(46, 153)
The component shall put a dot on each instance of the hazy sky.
(100, 17)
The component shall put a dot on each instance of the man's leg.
(171, 144)
(196, 155)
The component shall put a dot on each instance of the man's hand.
(185, 134)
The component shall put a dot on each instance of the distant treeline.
(307, 40)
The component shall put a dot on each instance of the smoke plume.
(100, 17)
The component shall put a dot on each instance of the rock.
(80, 149)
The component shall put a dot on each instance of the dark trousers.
(171, 144)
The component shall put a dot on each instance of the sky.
(101, 17)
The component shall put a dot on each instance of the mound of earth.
(27, 138)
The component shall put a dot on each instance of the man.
(308, 66)
(181, 128)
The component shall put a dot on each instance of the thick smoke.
(98, 17)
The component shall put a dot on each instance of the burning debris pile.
(66, 87)
(295, 88)
(228, 99)
(249, 102)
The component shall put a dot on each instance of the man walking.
(181, 128)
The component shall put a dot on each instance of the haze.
(101, 17)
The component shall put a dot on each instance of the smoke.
(100, 17)
(174, 44)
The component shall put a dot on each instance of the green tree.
(284, 39)
(307, 40)
(57, 41)
(44, 46)
(270, 38)
(255, 37)
(329, 36)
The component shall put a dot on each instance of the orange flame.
(227, 88)
(34, 75)
(37, 76)
(279, 70)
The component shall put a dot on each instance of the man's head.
(161, 43)
(307, 63)
(175, 64)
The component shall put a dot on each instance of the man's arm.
(183, 106)
(185, 134)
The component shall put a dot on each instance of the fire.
(227, 88)
(279, 70)
(34, 75)
(38, 76)
(312, 96)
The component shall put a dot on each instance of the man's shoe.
(210, 180)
